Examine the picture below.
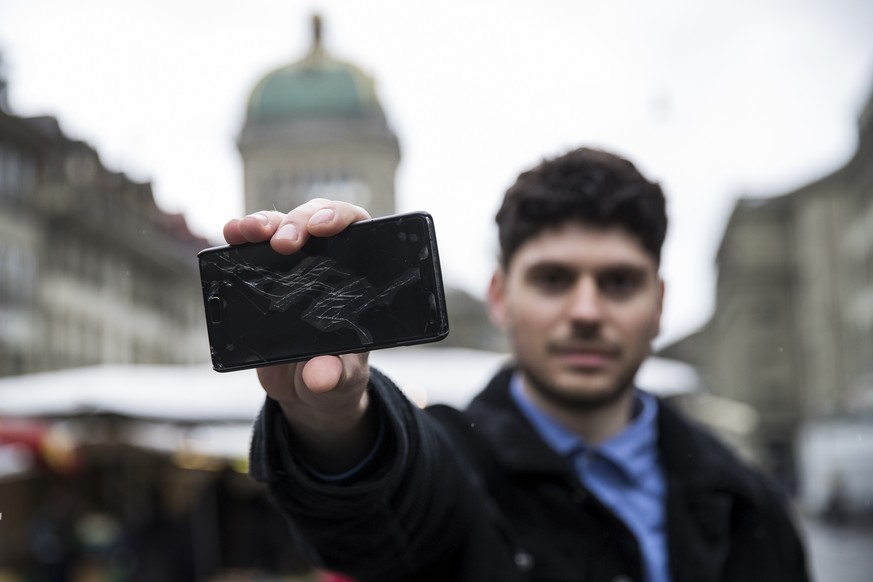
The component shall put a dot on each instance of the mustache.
(599, 346)
(586, 338)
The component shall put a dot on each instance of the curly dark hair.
(588, 185)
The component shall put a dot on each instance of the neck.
(594, 425)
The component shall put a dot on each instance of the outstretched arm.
(401, 506)
(324, 400)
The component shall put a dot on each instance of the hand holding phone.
(374, 285)
(325, 399)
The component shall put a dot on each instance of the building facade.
(91, 270)
(20, 316)
(792, 330)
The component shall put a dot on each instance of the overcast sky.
(714, 99)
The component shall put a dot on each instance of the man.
(561, 469)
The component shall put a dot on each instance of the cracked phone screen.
(375, 285)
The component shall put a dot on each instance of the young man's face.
(580, 305)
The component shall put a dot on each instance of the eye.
(551, 280)
(620, 283)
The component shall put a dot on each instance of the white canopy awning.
(196, 394)
(195, 409)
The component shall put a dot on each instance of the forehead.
(578, 245)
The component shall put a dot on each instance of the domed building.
(315, 128)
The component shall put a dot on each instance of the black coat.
(478, 496)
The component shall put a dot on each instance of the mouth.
(588, 358)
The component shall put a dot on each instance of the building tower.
(315, 128)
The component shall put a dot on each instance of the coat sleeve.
(410, 511)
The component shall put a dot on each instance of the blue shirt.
(624, 472)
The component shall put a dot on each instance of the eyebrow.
(569, 266)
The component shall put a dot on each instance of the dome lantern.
(316, 86)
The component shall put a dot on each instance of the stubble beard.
(576, 401)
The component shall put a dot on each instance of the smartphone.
(375, 285)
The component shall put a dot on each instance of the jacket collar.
(690, 455)
(704, 481)
(520, 448)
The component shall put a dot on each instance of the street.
(839, 553)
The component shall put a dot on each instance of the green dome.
(316, 87)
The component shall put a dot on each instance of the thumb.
(322, 373)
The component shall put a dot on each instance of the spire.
(316, 32)
(316, 52)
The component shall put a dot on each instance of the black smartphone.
(375, 285)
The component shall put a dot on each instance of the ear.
(659, 309)
(497, 299)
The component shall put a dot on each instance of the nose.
(585, 303)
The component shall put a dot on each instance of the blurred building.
(316, 129)
(792, 331)
(91, 270)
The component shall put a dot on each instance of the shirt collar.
(633, 450)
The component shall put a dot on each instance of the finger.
(260, 226)
(334, 218)
(319, 217)
(255, 227)
(231, 232)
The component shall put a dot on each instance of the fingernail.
(262, 218)
(287, 232)
(322, 216)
